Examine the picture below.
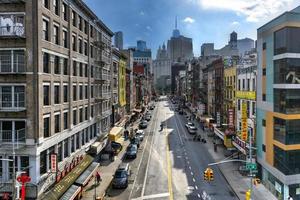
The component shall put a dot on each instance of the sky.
(202, 20)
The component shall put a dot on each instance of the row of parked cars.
(121, 176)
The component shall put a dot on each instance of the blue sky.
(202, 20)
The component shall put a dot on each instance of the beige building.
(55, 93)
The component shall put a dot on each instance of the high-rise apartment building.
(55, 60)
(119, 40)
(278, 105)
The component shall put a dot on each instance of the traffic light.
(206, 175)
(248, 195)
(211, 175)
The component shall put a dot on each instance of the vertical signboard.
(54, 162)
(230, 118)
(218, 119)
(244, 133)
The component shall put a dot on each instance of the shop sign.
(240, 145)
(297, 191)
(278, 187)
(230, 117)
(244, 122)
(246, 95)
(53, 162)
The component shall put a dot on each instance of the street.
(170, 164)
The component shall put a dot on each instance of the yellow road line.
(169, 167)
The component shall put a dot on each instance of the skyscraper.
(141, 45)
(119, 40)
(180, 48)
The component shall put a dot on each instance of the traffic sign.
(251, 166)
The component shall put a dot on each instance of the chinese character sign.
(230, 117)
(244, 134)
(53, 162)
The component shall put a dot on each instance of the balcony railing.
(12, 63)
(106, 113)
(10, 137)
(14, 31)
(8, 104)
(105, 95)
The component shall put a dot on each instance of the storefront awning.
(87, 174)
(71, 193)
(61, 187)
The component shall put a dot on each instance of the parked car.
(181, 112)
(148, 117)
(189, 124)
(120, 179)
(192, 130)
(140, 134)
(135, 140)
(143, 124)
(131, 151)
(116, 147)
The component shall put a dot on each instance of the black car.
(116, 147)
(135, 140)
(143, 124)
(120, 179)
(148, 117)
(131, 151)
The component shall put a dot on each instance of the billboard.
(244, 132)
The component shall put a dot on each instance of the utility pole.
(250, 151)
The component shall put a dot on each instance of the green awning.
(62, 186)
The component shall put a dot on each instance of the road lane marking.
(169, 168)
(192, 173)
(153, 196)
(194, 180)
(190, 167)
(188, 162)
(198, 195)
(138, 169)
(196, 187)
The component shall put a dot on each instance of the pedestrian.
(98, 177)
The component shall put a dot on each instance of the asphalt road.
(170, 164)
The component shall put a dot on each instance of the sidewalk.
(106, 170)
(240, 184)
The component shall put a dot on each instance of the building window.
(77, 140)
(80, 92)
(92, 91)
(66, 93)
(46, 127)
(56, 34)
(264, 46)
(46, 3)
(72, 144)
(56, 94)
(264, 71)
(74, 68)
(248, 84)
(253, 84)
(46, 63)
(86, 113)
(92, 71)
(80, 22)
(253, 108)
(65, 65)
(74, 18)
(287, 101)
(85, 48)
(239, 104)
(239, 84)
(65, 11)
(287, 161)
(45, 30)
(92, 51)
(65, 38)
(91, 31)
(92, 110)
(74, 42)
(81, 115)
(74, 92)
(80, 70)
(59, 152)
(286, 40)
(66, 148)
(46, 95)
(12, 97)
(263, 147)
(56, 65)
(264, 97)
(243, 84)
(74, 117)
(263, 122)
(56, 7)
(43, 162)
(86, 92)
(66, 124)
(80, 45)
(86, 25)
(287, 71)
(86, 70)
(57, 123)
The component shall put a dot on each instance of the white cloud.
(142, 13)
(189, 20)
(254, 10)
(235, 23)
(149, 28)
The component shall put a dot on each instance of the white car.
(192, 130)
(189, 124)
(140, 134)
